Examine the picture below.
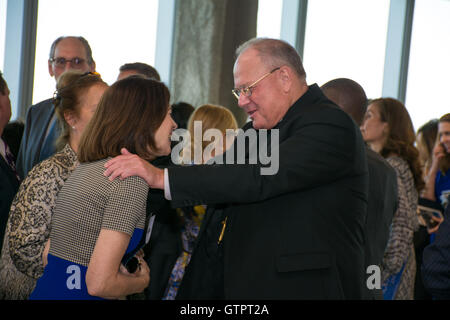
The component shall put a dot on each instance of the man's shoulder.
(377, 161)
(320, 112)
(42, 107)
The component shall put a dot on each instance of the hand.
(128, 164)
(140, 254)
(438, 154)
(143, 272)
(434, 229)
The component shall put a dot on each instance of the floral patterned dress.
(189, 234)
(399, 254)
(28, 226)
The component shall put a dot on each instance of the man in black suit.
(436, 256)
(41, 127)
(383, 200)
(9, 181)
(296, 232)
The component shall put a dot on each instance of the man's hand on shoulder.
(129, 164)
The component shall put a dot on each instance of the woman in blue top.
(96, 221)
(437, 186)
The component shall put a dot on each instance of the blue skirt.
(66, 280)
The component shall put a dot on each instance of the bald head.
(275, 53)
(349, 96)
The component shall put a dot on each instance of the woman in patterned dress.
(98, 222)
(29, 224)
(388, 130)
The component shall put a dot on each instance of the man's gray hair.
(83, 41)
(275, 53)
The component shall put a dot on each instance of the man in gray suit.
(41, 128)
(382, 202)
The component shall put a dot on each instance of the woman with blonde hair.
(207, 127)
(29, 223)
(388, 130)
(205, 122)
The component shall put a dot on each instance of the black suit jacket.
(37, 121)
(164, 246)
(8, 189)
(382, 204)
(298, 234)
(435, 264)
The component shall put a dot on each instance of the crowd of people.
(95, 204)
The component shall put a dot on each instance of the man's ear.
(92, 66)
(285, 75)
(50, 69)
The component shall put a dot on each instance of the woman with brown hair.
(425, 141)
(29, 223)
(388, 130)
(98, 222)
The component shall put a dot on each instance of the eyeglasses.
(76, 63)
(247, 91)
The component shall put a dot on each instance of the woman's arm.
(104, 277)
(29, 221)
(45, 253)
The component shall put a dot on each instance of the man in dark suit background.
(129, 69)
(41, 127)
(296, 233)
(383, 201)
(436, 257)
(9, 181)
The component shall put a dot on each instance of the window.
(269, 18)
(429, 65)
(2, 32)
(347, 39)
(118, 32)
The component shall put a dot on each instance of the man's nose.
(68, 66)
(243, 100)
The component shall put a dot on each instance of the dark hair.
(445, 162)
(428, 133)
(83, 41)
(401, 136)
(181, 111)
(2, 84)
(275, 53)
(348, 95)
(141, 68)
(128, 115)
(71, 85)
